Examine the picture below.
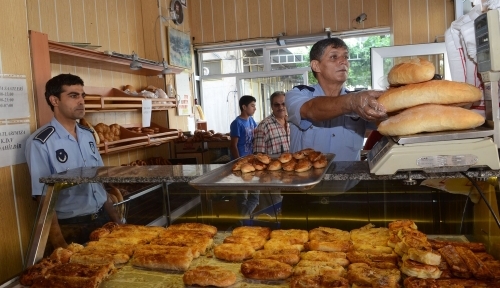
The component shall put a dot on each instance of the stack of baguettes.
(426, 105)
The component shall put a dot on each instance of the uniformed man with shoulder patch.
(64, 144)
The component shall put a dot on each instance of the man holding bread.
(325, 116)
(64, 144)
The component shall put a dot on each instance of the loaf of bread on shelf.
(87, 124)
(129, 88)
(415, 70)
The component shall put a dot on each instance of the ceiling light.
(135, 64)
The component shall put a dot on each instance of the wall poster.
(179, 48)
(14, 119)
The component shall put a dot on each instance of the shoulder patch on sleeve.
(44, 135)
(302, 87)
(85, 128)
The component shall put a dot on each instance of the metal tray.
(223, 178)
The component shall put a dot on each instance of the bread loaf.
(434, 91)
(430, 118)
(415, 70)
(130, 88)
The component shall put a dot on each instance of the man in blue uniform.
(325, 116)
(63, 144)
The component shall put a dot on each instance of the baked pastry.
(209, 276)
(430, 118)
(375, 261)
(296, 236)
(266, 269)
(319, 281)
(108, 248)
(429, 257)
(247, 167)
(415, 70)
(398, 224)
(264, 158)
(328, 234)
(61, 255)
(288, 256)
(98, 234)
(455, 263)
(473, 246)
(303, 165)
(55, 281)
(233, 252)
(285, 157)
(252, 231)
(100, 258)
(200, 242)
(161, 249)
(321, 162)
(476, 266)
(75, 247)
(364, 275)
(36, 271)
(274, 165)
(299, 155)
(370, 235)
(322, 255)
(129, 88)
(371, 249)
(176, 262)
(329, 246)
(314, 156)
(194, 226)
(307, 151)
(333, 262)
(256, 242)
(419, 270)
(259, 166)
(290, 165)
(283, 243)
(318, 268)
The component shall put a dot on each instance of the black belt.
(83, 218)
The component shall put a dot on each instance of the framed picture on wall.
(179, 48)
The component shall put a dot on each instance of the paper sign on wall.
(184, 105)
(14, 119)
(13, 97)
(147, 107)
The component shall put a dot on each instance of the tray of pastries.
(297, 171)
(195, 254)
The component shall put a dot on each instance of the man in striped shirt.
(272, 136)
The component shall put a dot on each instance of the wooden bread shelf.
(130, 139)
(101, 99)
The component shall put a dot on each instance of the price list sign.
(14, 119)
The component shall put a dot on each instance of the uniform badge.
(61, 156)
(92, 147)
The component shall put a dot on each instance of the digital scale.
(452, 151)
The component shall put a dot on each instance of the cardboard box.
(189, 146)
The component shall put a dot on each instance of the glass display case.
(348, 197)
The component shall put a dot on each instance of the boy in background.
(242, 132)
(242, 128)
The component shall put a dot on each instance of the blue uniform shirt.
(342, 135)
(51, 149)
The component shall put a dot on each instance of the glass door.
(261, 87)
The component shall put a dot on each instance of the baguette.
(430, 118)
(415, 70)
(434, 91)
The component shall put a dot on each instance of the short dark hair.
(319, 47)
(246, 100)
(276, 94)
(54, 85)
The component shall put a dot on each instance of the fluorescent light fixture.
(135, 64)
(304, 39)
(165, 70)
